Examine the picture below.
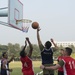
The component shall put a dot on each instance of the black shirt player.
(46, 53)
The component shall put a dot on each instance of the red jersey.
(27, 67)
(60, 58)
(69, 66)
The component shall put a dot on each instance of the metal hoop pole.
(4, 12)
(3, 8)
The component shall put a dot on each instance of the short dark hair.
(3, 53)
(69, 50)
(22, 54)
(48, 44)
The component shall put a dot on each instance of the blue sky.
(55, 17)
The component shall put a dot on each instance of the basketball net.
(26, 24)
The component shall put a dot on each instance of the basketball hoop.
(25, 24)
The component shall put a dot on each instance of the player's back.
(27, 67)
(26, 63)
(69, 66)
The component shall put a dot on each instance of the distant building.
(66, 43)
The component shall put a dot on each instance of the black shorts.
(60, 73)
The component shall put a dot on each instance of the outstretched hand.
(42, 67)
(12, 57)
(38, 29)
(10, 70)
(27, 38)
(52, 40)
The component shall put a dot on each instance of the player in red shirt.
(27, 67)
(68, 63)
(60, 70)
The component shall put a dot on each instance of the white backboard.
(15, 12)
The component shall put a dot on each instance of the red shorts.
(30, 72)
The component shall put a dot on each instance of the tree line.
(16, 48)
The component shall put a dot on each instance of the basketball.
(35, 25)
